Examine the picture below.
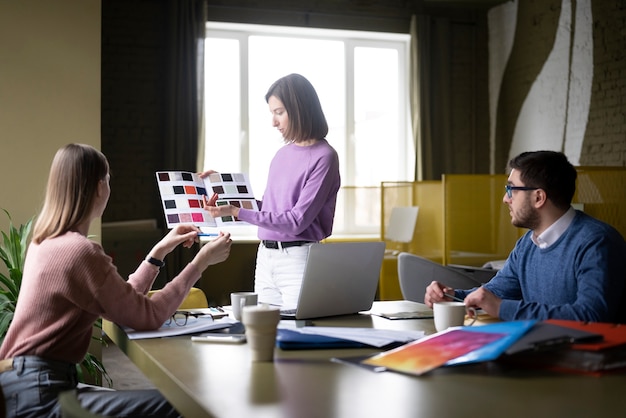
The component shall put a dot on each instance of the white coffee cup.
(451, 314)
(261, 322)
(240, 299)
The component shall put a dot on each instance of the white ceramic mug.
(261, 322)
(451, 314)
(240, 299)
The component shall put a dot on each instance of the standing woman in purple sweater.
(298, 206)
(69, 282)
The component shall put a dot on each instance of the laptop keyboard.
(288, 313)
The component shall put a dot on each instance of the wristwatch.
(155, 262)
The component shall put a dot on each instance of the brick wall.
(605, 138)
(599, 131)
(133, 80)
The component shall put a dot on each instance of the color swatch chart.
(181, 194)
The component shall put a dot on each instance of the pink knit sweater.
(68, 283)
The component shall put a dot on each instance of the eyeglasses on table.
(180, 318)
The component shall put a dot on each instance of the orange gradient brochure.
(424, 355)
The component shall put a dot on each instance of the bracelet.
(155, 262)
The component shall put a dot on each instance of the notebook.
(340, 278)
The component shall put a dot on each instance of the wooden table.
(219, 380)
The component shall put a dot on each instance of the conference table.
(220, 380)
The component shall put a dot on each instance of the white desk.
(215, 380)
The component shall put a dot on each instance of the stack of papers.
(342, 337)
(404, 309)
(194, 325)
(594, 348)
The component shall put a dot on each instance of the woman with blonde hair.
(69, 282)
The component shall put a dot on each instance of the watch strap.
(155, 262)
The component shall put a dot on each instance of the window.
(361, 79)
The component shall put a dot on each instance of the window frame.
(348, 201)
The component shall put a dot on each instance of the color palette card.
(182, 191)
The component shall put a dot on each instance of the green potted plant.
(13, 253)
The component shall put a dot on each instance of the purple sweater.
(301, 194)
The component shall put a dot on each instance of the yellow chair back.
(195, 299)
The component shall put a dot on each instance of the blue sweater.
(582, 276)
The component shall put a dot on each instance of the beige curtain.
(419, 83)
(414, 92)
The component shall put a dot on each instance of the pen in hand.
(451, 296)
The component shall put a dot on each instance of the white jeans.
(278, 275)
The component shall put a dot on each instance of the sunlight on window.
(360, 80)
(375, 115)
(271, 58)
(222, 103)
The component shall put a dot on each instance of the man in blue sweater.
(567, 266)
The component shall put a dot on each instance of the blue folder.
(287, 339)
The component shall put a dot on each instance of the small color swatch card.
(181, 194)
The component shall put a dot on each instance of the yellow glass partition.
(477, 222)
(602, 192)
(428, 197)
(428, 235)
(463, 220)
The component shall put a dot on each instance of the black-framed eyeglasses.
(509, 189)
(180, 317)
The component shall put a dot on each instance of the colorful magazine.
(512, 330)
(181, 194)
(459, 345)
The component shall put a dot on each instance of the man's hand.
(435, 292)
(483, 299)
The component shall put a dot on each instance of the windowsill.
(353, 237)
(248, 235)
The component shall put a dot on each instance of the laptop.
(340, 278)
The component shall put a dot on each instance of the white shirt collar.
(554, 231)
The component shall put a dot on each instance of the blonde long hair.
(72, 186)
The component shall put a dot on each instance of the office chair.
(416, 273)
(402, 224)
(480, 274)
(71, 407)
